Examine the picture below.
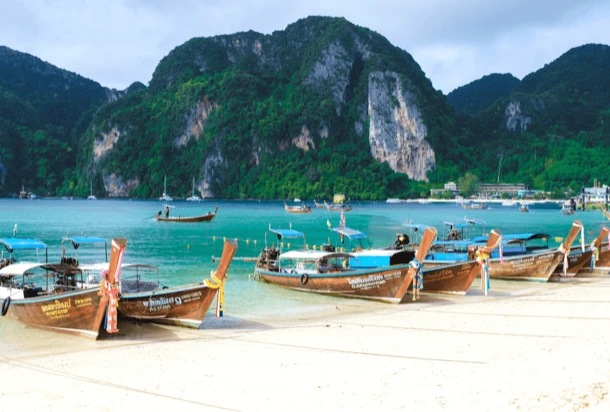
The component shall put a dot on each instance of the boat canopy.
(18, 269)
(313, 255)
(13, 243)
(415, 226)
(456, 225)
(515, 237)
(475, 221)
(79, 240)
(350, 233)
(287, 233)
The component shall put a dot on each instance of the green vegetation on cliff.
(252, 95)
(43, 112)
(480, 94)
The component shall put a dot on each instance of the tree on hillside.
(469, 184)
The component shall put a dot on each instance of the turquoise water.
(183, 252)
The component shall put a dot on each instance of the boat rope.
(483, 259)
(418, 278)
(218, 284)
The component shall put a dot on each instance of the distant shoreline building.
(518, 189)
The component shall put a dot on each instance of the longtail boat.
(319, 205)
(521, 263)
(297, 209)
(61, 308)
(151, 301)
(208, 217)
(457, 278)
(55, 297)
(181, 305)
(579, 259)
(329, 272)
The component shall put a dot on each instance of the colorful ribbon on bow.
(418, 278)
(483, 259)
(594, 255)
(216, 283)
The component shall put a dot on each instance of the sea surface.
(184, 251)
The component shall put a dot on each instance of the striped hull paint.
(181, 306)
(77, 313)
(383, 284)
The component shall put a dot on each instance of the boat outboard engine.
(402, 240)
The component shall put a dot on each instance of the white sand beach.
(525, 347)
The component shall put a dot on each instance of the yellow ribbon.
(216, 283)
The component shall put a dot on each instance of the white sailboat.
(91, 196)
(193, 197)
(165, 197)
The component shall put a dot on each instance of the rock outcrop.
(515, 120)
(196, 122)
(304, 140)
(101, 147)
(116, 187)
(397, 132)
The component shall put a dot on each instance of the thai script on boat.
(57, 310)
(189, 297)
(159, 302)
(57, 305)
(372, 281)
(82, 302)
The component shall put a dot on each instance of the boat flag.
(342, 221)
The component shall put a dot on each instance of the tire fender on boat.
(304, 279)
(5, 305)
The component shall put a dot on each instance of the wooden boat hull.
(535, 267)
(453, 279)
(77, 313)
(181, 306)
(382, 284)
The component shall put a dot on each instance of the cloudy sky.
(116, 42)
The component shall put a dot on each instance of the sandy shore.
(525, 347)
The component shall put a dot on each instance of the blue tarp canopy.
(287, 233)
(515, 237)
(456, 225)
(476, 222)
(416, 226)
(13, 243)
(79, 240)
(350, 233)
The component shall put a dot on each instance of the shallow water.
(183, 252)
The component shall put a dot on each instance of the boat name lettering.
(82, 302)
(189, 297)
(57, 305)
(152, 303)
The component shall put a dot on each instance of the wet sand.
(527, 346)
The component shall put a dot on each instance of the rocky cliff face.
(397, 131)
(196, 122)
(103, 145)
(116, 187)
(515, 120)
